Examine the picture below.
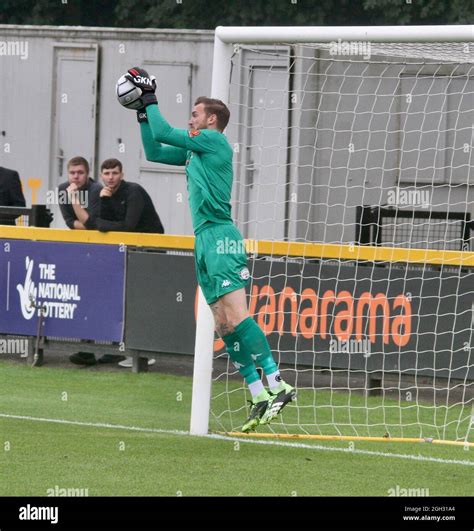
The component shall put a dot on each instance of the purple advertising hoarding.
(80, 286)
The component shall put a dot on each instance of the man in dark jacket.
(125, 206)
(79, 196)
(10, 194)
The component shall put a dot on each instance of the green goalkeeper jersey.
(208, 159)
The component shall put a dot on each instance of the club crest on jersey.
(245, 273)
(194, 132)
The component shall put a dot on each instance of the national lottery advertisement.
(79, 288)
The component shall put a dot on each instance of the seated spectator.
(10, 194)
(81, 208)
(125, 206)
(80, 211)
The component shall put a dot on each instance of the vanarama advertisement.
(339, 314)
(362, 316)
(344, 321)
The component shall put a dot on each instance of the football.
(128, 94)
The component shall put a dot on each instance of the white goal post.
(226, 41)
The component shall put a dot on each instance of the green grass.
(37, 456)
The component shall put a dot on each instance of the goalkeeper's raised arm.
(154, 150)
(203, 136)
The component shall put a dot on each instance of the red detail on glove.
(133, 72)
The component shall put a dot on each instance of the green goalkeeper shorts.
(221, 261)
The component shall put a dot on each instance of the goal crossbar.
(306, 34)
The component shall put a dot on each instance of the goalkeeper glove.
(141, 116)
(141, 79)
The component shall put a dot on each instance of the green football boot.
(257, 410)
(279, 398)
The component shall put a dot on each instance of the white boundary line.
(94, 424)
(243, 440)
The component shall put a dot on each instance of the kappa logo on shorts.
(194, 132)
(245, 273)
(226, 283)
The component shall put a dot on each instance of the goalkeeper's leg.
(242, 360)
(223, 277)
(247, 345)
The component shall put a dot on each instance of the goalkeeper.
(207, 155)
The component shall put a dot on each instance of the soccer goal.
(353, 186)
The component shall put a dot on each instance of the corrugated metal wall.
(294, 174)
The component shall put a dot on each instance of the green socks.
(246, 346)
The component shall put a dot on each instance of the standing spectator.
(10, 194)
(125, 206)
(81, 207)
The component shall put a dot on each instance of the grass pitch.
(86, 452)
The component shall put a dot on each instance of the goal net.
(353, 184)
